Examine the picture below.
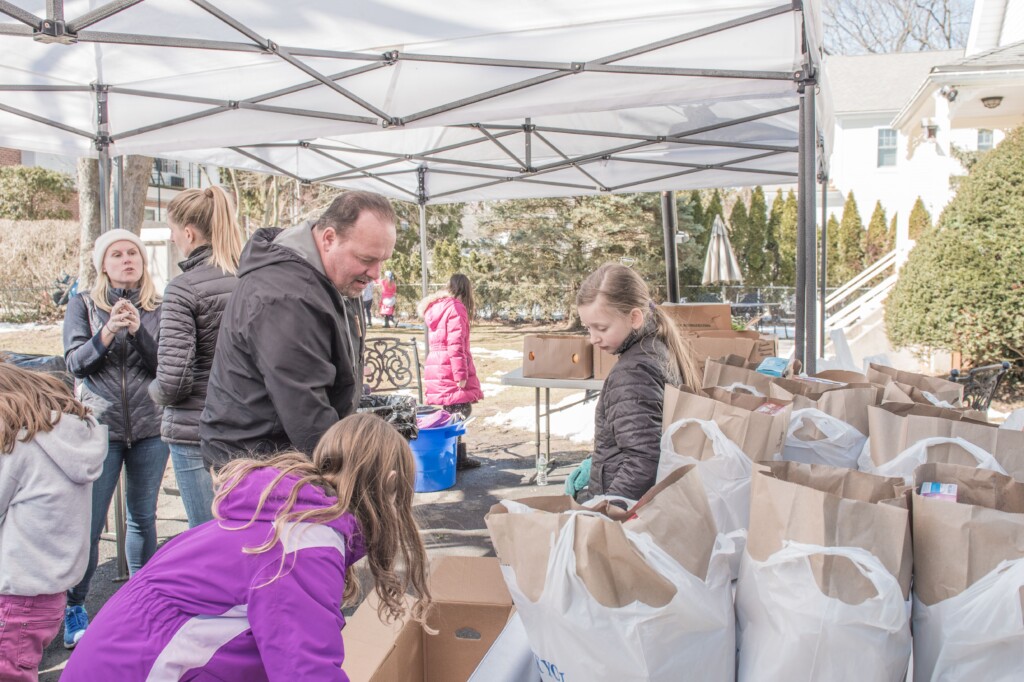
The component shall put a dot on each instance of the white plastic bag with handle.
(976, 635)
(726, 475)
(574, 637)
(789, 631)
(839, 444)
(904, 463)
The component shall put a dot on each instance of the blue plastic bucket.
(435, 452)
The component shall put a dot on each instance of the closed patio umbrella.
(720, 266)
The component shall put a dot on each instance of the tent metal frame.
(55, 28)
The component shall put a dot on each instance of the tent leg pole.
(423, 267)
(104, 190)
(800, 333)
(823, 265)
(118, 203)
(669, 223)
(808, 148)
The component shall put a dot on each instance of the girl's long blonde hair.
(621, 289)
(211, 213)
(353, 461)
(27, 402)
(148, 298)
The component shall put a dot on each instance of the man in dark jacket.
(288, 363)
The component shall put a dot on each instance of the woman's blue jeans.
(144, 463)
(194, 483)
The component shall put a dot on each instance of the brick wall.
(10, 157)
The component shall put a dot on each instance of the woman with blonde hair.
(615, 305)
(258, 594)
(110, 347)
(51, 451)
(204, 229)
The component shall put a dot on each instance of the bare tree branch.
(880, 26)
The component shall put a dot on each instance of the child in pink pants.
(51, 450)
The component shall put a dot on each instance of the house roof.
(880, 82)
(1006, 55)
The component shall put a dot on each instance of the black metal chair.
(980, 384)
(392, 364)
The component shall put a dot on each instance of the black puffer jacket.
(190, 318)
(627, 427)
(289, 354)
(114, 379)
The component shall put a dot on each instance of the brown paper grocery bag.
(757, 425)
(957, 543)
(897, 426)
(724, 375)
(675, 513)
(844, 401)
(832, 507)
(943, 389)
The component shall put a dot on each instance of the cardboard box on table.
(748, 344)
(471, 608)
(603, 363)
(557, 356)
(760, 434)
(897, 426)
(700, 316)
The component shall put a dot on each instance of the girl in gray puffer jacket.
(110, 345)
(204, 229)
(616, 306)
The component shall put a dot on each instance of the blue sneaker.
(76, 620)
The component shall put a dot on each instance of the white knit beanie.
(103, 242)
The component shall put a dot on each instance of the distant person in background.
(450, 376)
(51, 451)
(110, 346)
(204, 229)
(367, 300)
(388, 297)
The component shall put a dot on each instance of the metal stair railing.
(850, 288)
(862, 306)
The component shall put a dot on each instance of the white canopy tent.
(454, 101)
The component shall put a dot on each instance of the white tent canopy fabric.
(157, 76)
(720, 266)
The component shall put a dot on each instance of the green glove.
(578, 479)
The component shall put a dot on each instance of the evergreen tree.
(771, 239)
(696, 208)
(739, 227)
(714, 208)
(757, 239)
(851, 237)
(920, 220)
(832, 277)
(875, 236)
(890, 236)
(787, 242)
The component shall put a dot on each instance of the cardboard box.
(700, 316)
(750, 345)
(557, 356)
(603, 363)
(471, 608)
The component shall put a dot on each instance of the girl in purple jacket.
(449, 375)
(256, 594)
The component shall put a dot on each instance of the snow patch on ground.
(7, 327)
(575, 424)
(502, 353)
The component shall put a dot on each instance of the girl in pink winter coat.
(449, 375)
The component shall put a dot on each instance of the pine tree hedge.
(962, 288)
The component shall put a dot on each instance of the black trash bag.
(51, 364)
(398, 410)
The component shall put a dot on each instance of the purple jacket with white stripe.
(203, 609)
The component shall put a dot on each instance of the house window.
(886, 147)
(984, 140)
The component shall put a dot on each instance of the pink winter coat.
(449, 360)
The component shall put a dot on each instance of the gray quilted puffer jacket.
(627, 426)
(189, 322)
(113, 380)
